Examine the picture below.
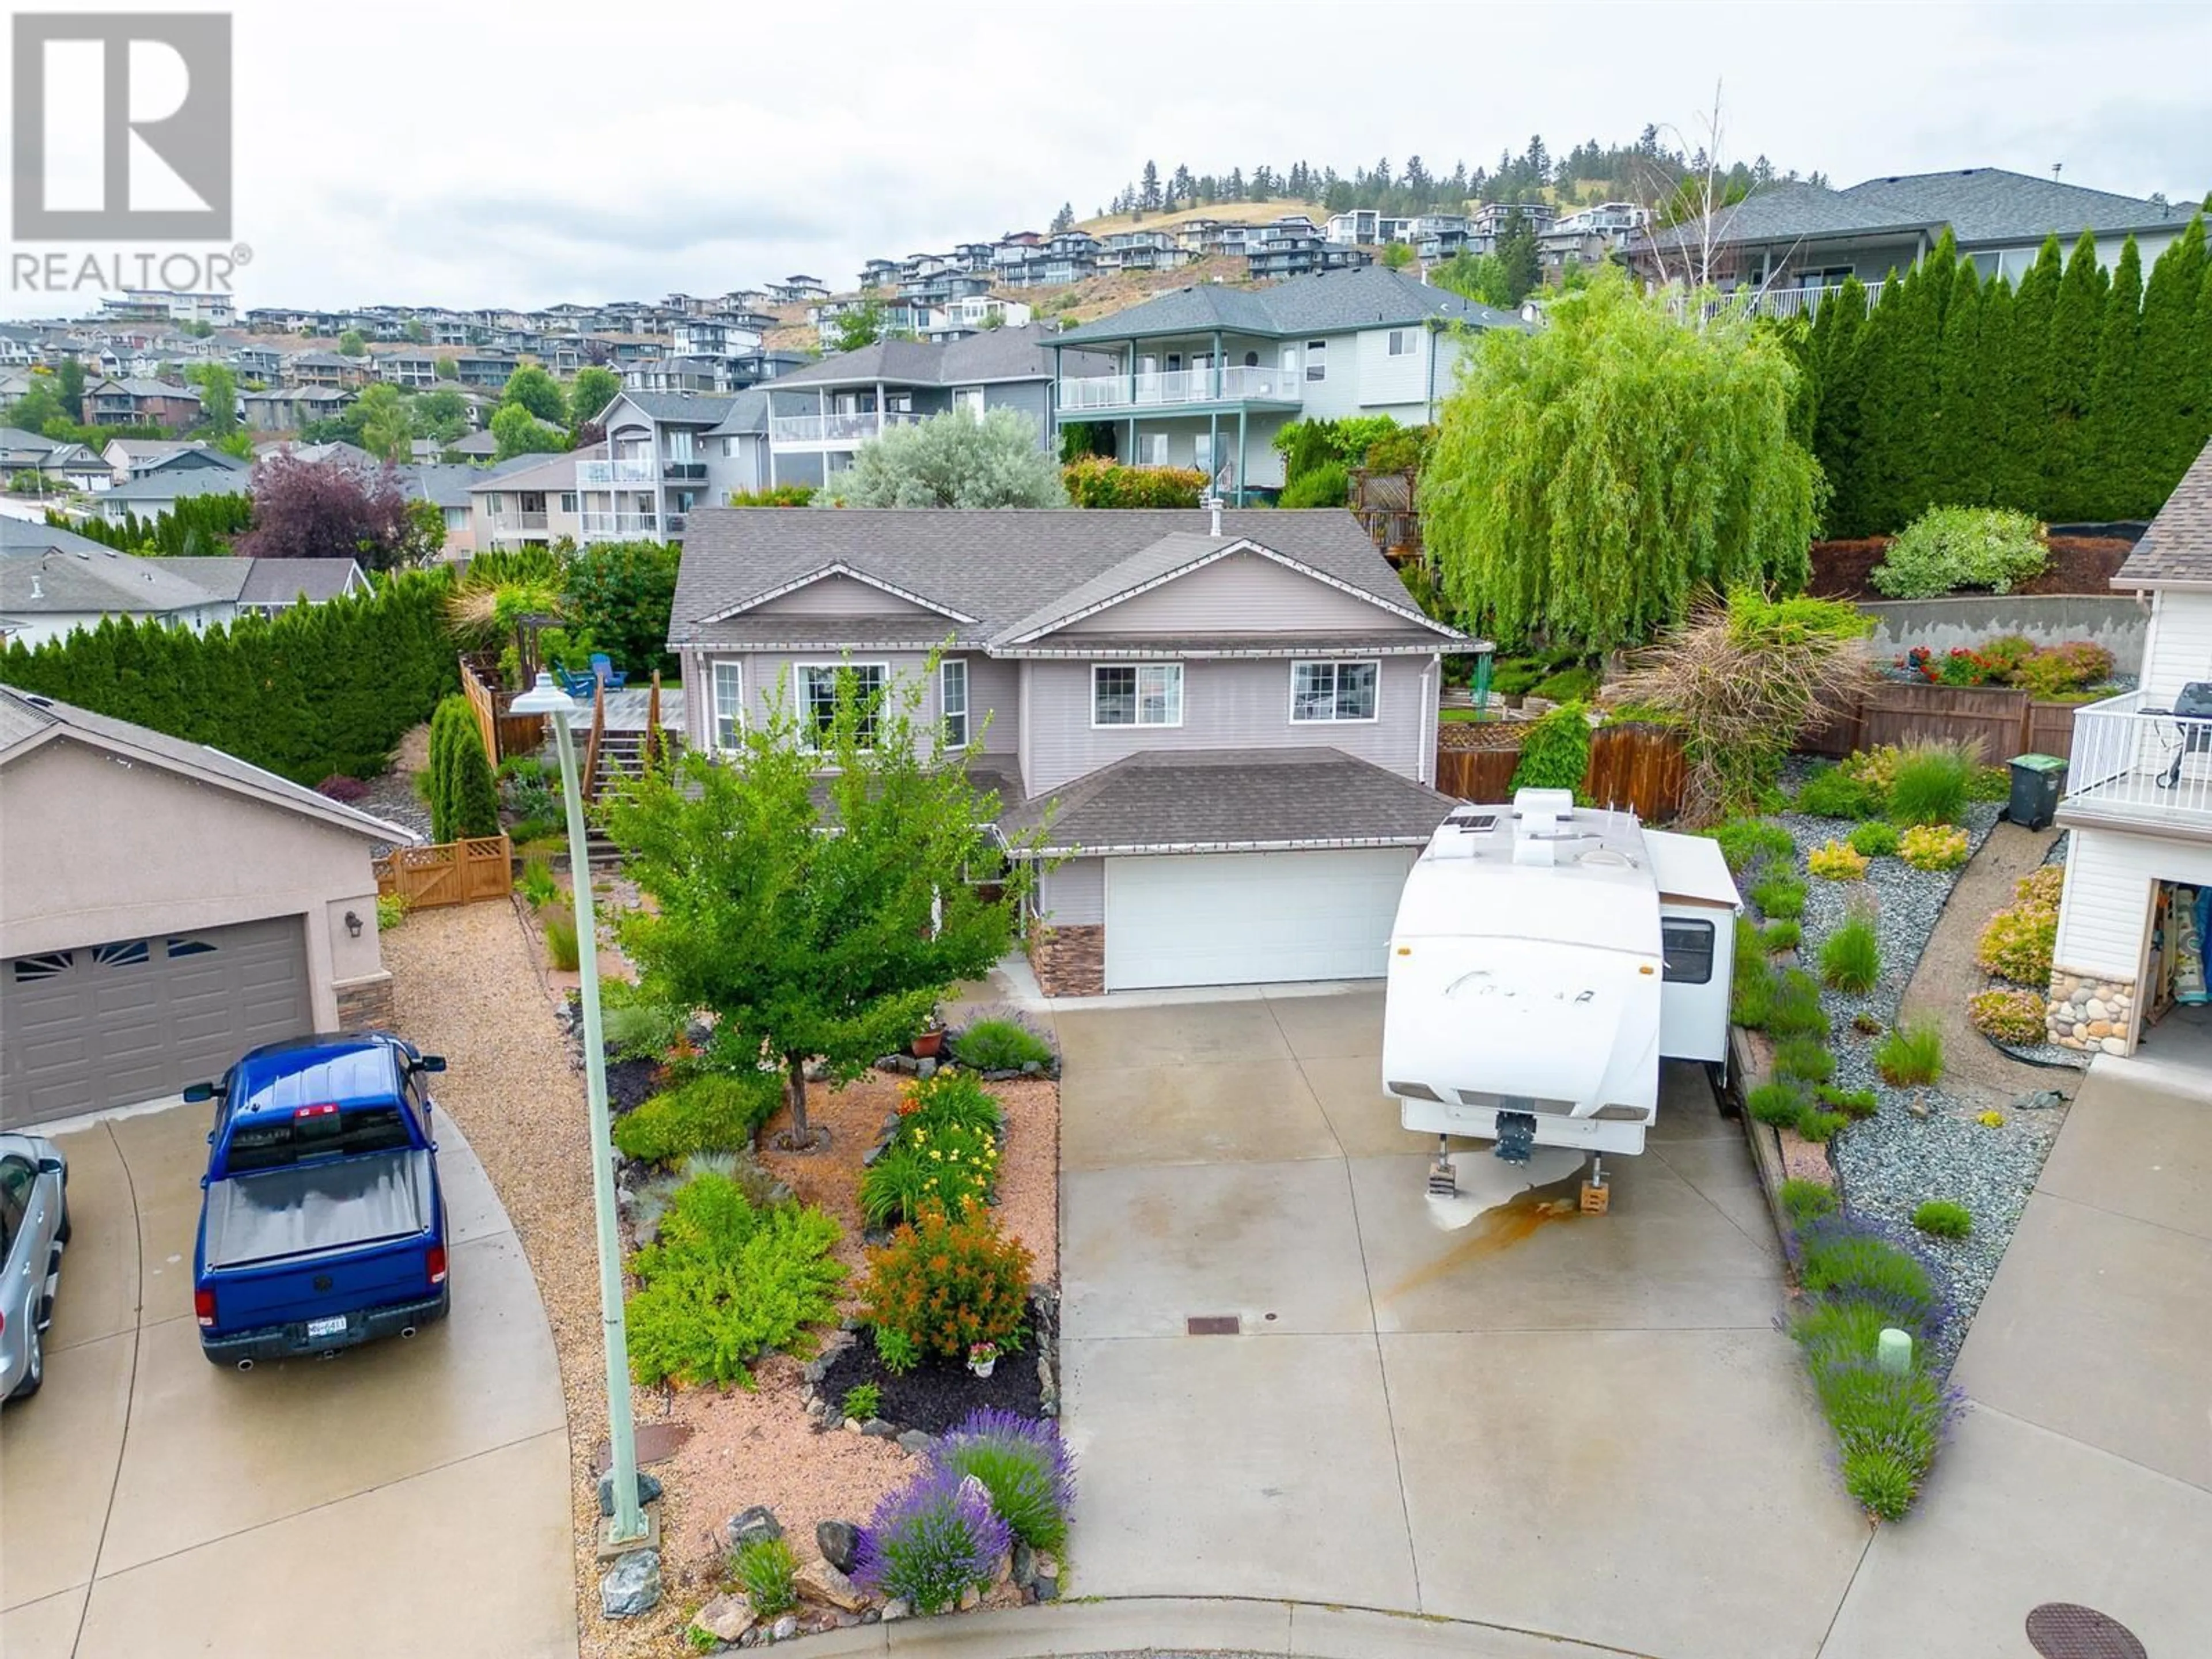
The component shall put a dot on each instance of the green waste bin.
(2036, 781)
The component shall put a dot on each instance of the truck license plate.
(319, 1327)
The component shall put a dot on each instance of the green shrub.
(1745, 842)
(1806, 1201)
(1780, 897)
(1576, 684)
(1023, 1465)
(1328, 485)
(947, 1167)
(1934, 846)
(391, 911)
(1096, 481)
(1855, 1265)
(1751, 1002)
(2020, 1016)
(1876, 838)
(1990, 783)
(1851, 959)
(1942, 1218)
(1555, 752)
(1000, 1045)
(1832, 1329)
(790, 495)
(863, 1402)
(463, 798)
(714, 1112)
(1851, 1103)
(536, 884)
(1817, 1126)
(726, 1282)
(560, 943)
(764, 1569)
(1948, 548)
(1837, 861)
(951, 1099)
(1779, 936)
(633, 1028)
(1794, 1009)
(1911, 1056)
(1804, 1059)
(1929, 783)
(2063, 672)
(2017, 944)
(1777, 1103)
(1831, 793)
(944, 1283)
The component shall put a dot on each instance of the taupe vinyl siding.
(995, 688)
(2179, 646)
(1241, 704)
(1243, 593)
(842, 596)
(1074, 893)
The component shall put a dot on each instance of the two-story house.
(51, 594)
(2138, 804)
(1225, 723)
(819, 414)
(1205, 376)
(134, 402)
(669, 453)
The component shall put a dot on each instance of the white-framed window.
(729, 704)
(1136, 694)
(969, 398)
(952, 700)
(1151, 449)
(1333, 691)
(818, 697)
(494, 503)
(1401, 342)
(568, 501)
(1316, 360)
(1201, 452)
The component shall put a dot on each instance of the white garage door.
(1251, 918)
(135, 1019)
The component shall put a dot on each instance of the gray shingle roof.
(168, 486)
(996, 354)
(281, 581)
(1332, 302)
(96, 584)
(24, 716)
(2178, 546)
(704, 407)
(1234, 799)
(998, 566)
(23, 536)
(748, 414)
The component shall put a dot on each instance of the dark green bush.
(1874, 839)
(1815, 1125)
(714, 1112)
(1000, 1045)
(1832, 793)
(1780, 897)
(1568, 685)
(1930, 783)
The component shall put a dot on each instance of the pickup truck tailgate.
(316, 1209)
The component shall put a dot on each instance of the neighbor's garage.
(1251, 918)
(107, 1024)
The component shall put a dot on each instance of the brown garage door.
(137, 1018)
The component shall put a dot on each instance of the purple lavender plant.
(931, 1539)
(1026, 1467)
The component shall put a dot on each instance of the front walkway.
(1585, 1427)
(408, 1497)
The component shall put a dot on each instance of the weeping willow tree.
(1590, 479)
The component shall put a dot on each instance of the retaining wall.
(2115, 622)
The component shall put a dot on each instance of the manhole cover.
(2061, 1629)
(1213, 1325)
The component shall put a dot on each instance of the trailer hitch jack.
(1516, 1136)
(1442, 1183)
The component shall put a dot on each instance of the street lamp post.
(629, 1523)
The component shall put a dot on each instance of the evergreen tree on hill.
(2076, 318)
(2111, 477)
(2174, 389)
(1953, 474)
(2024, 461)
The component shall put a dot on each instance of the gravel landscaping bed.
(1923, 1143)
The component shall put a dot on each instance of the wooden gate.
(449, 872)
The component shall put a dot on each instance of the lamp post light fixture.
(629, 1524)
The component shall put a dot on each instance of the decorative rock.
(784, 1629)
(819, 1581)
(895, 1607)
(971, 1599)
(726, 1618)
(2113, 1045)
(1047, 1589)
(915, 1441)
(852, 1425)
(2039, 1100)
(925, 1067)
(872, 1616)
(1022, 1567)
(869, 1158)
(648, 1489)
(748, 1525)
(1032, 1067)
(839, 1542)
(632, 1586)
(817, 1410)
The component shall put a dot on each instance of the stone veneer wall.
(1070, 961)
(366, 1004)
(2094, 1015)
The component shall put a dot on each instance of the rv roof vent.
(1608, 859)
(1541, 808)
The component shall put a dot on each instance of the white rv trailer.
(1545, 959)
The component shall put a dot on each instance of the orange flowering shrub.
(945, 1283)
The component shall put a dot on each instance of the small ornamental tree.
(521, 433)
(814, 888)
(952, 459)
(590, 393)
(534, 389)
(464, 799)
(1588, 480)
(620, 593)
(327, 510)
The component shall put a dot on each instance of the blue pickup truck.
(322, 1224)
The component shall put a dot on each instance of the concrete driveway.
(405, 1497)
(1582, 1426)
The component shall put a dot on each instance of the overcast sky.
(468, 153)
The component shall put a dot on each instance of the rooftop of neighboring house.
(1335, 301)
(139, 451)
(142, 388)
(748, 414)
(477, 443)
(21, 536)
(163, 487)
(269, 581)
(444, 485)
(187, 458)
(1000, 580)
(2175, 552)
(1981, 205)
(1021, 353)
(15, 440)
(97, 583)
(534, 472)
(703, 409)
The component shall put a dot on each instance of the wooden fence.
(2004, 721)
(449, 872)
(1637, 767)
(1383, 503)
(505, 735)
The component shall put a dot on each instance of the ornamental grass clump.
(1933, 847)
(1851, 1103)
(1939, 1218)
(1804, 1200)
(932, 1540)
(1000, 1045)
(1023, 1464)
(1779, 936)
(1910, 1056)
(1780, 897)
(1778, 1104)
(1930, 781)
(765, 1570)
(1804, 1060)
(1850, 958)
(1794, 1008)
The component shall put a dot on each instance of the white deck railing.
(837, 428)
(617, 474)
(2134, 759)
(1165, 389)
(621, 524)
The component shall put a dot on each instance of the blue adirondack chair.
(604, 666)
(577, 684)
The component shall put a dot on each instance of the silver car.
(34, 1226)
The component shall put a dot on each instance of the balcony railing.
(608, 525)
(617, 474)
(2134, 760)
(1776, 301)
(837, 428)
(1166, 389)
(683, 471)
(510, 523)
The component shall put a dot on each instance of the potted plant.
(982, 1357)
(931, 1042)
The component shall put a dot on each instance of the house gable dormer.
(839, 590)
